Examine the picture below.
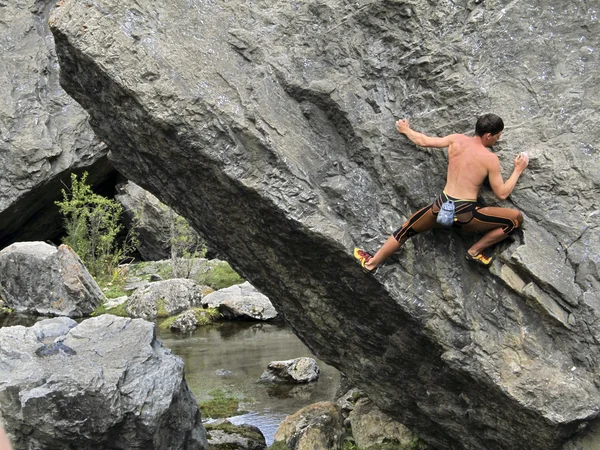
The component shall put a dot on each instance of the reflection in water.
(233, 356)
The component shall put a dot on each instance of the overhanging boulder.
(270, 126)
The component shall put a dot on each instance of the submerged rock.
(223, 435)
(241, 301)
(39, 278)
(271, 128)
(105, 383)
(298, 370)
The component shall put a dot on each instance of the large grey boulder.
(241, 301)
(44, 133)
(105, 383)
(270, 126)
(164, 298)
(40, 278)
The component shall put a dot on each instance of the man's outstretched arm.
(501, 188)
(421, 139)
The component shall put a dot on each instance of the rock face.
(159, 228)
(373, 429)
(241, 301)
(109, 384)
(39, 278)
(319, 426)
(270, 126)
(44, 133)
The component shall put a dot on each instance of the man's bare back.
(470, 162)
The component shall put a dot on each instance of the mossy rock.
(222, 404)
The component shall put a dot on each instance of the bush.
(92, 224)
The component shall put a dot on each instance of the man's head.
(488, 128)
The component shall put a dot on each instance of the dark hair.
(488, 123)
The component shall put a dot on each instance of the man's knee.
(519, 219)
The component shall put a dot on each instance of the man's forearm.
(510, 184)
(416, 137)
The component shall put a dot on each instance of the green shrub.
(92, 224)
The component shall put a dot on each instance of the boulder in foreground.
(105, 383)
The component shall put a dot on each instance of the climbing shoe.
(363, 258)
(480, 259)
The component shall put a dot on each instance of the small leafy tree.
(185, 244)
(92, 225)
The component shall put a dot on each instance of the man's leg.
(422, 220)
(499, 224)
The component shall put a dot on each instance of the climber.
(469, 163)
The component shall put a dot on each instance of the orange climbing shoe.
(480, 259)
(363, 258)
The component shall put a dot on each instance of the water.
(232, 356)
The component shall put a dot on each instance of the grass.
(112, 286)
(222, 404)
(220, 276)
(281, 445)
(203, 316)
(117, 311)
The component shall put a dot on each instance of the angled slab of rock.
(40, 278)
(44, 133)
(164, 298)
(104, 383)
(270, 126)
(241, 301)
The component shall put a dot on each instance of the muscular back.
(468, 166)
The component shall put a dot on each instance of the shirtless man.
(469, 163)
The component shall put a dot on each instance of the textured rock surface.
(298, 370)
(44, 133)
(164, 298)
(315, 427)
(372, 428)
(156, 224)
(110, 384)
(39, 278)
(241, 301)
(270, 126)
(223, 435)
